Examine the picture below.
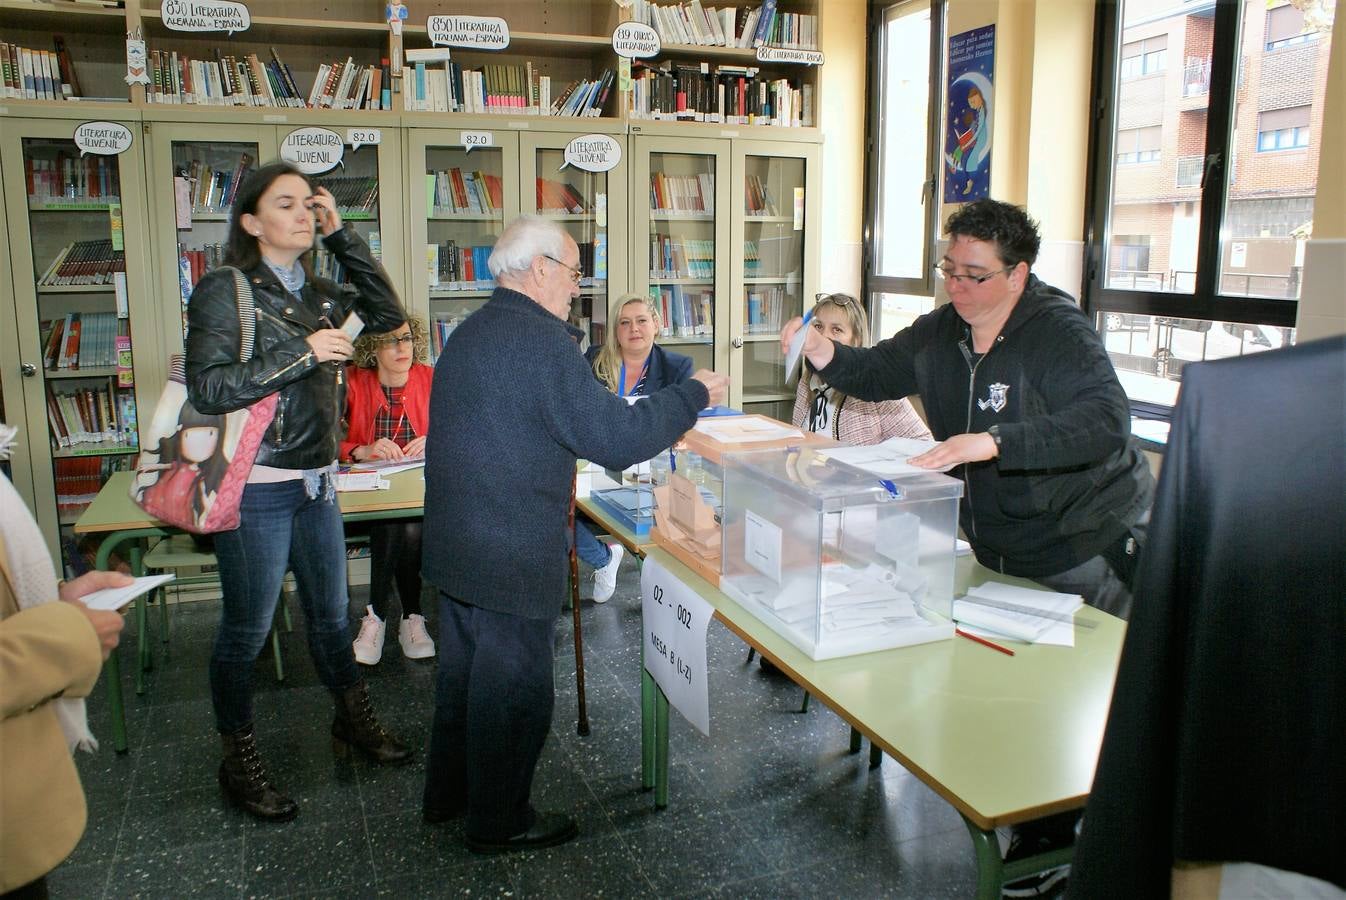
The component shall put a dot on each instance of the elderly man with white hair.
(513, 406)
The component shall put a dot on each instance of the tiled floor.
(770, 805)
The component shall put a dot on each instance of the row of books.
(212, 189)
(672, 257)
(772, 257)
(456, 268)
(456, 191)
(560, 197)
(440, 329)
(32, 74)
(99, 414)
(79, 478)
(69, 177)
(432, 83)
(350, 86)
(763, 309)
(682, 193)
(727, 26)
(352, 193)
(229, 80)
(731, 94)
(594, 260)
(85, 340)
(684, 312)
(757, 200)
(83, 263)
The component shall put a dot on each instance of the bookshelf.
(87, 335)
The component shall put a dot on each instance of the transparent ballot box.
(836, 560)
(688, 501)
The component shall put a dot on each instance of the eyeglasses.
(394, 341)
(946, 274)
(575, 273)
(835, 299)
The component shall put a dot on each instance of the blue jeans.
(281, 528)
(588, 547)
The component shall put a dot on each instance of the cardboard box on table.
(686, 523)
(836, 560)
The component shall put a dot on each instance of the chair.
(177, 552)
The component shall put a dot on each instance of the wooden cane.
(583, 725)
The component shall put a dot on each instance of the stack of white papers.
(389, 466)
(886, 459)
(116, 598)
(362, 481)
(736, 430)
(1024, 614)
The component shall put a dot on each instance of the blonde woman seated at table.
(631, 364)
(824, 410)
(387, 415)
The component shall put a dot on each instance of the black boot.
(355, 726)
(243, 778)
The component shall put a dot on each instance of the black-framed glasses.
(391, 341)
(576, 273)
(946, 274)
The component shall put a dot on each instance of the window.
(1138, 145)
(901, 203)
(1283, 129)
(1286, 27)
(1188, 263)
(1144, 57)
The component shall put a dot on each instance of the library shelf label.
(102, 138)
(593, 153)
(216, 15)
(359, 137)
(633, 40)
(787, 55)
(313, 150)
(470, 139)
(472, 32)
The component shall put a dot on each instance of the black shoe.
(435, 815)
(548, 830)
(355, 726)
(243, 778)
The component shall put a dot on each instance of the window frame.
(871, 281)
(1205, 301)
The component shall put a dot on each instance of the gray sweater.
(514, 405)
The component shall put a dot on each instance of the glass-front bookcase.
(84, 323)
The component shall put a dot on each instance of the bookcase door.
(79, 254)
(774, 277)
(194, 170)
(679, 202)
(461, 199)
(13, 371)
(591, 207)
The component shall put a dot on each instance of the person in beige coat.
(50, 654)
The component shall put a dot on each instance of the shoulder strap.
(247, 315)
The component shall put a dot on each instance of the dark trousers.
(280, 528)
(395, 555)
(493, 709)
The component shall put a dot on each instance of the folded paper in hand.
(115, 598)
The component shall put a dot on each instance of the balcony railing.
(1196, 78)
(1189, 171)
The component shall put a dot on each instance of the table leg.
(112, 671)
(660, 749)
(993, 872)
(144, 657)
(647, 690)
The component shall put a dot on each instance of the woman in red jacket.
(387, 415)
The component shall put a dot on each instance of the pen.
(981, 640)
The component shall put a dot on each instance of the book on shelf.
(682, 193)
(352, 193)
(79, 479)
(458, 268)
(684, 311)
(69, 177)
(724, 93)
(681, 257)
(84, 263)
(758, 200)
(436, 83)
(249, 80)
(456, 191)
(697, 23)
(213, 189)
(80, 413)
(763, 307)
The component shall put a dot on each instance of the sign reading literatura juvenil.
(313, 150)
(635, 41)
(593, 153)
(205, 15)
(786, 55)
(102, 138)
(474, 32)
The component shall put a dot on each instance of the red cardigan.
(364, 398)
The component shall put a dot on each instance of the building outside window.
(1219, 273)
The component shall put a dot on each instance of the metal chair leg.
(804, 707)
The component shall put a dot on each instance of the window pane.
(1159, 134)
(1149, 352)
(1275, 141)
(904, 142)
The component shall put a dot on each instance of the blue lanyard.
(621, 385)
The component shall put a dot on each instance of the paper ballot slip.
(115, 598)
(1017, 612)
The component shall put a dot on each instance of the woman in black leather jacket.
(289, 518)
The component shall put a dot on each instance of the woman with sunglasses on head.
(288, 516)
(631, 364)
(387, 415)
(822, 409)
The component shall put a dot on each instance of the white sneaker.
(605, 579)
(415, 640)
(369, 642)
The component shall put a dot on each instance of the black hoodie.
(1069, 481)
